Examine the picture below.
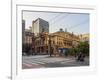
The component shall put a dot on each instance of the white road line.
(53, 61)
(44, 61)
(29, 65)
(49, 61)
(37, 62)
(67, 61)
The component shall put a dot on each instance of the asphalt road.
(44, 61)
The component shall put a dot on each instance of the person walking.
(79, 56)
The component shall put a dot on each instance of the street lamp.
(49, 47)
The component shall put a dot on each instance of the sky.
(77, 23)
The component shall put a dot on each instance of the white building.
(40, 25)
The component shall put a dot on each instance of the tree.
(74, 51)
(84, 48)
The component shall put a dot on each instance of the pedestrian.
(82, 57)
(79, 56)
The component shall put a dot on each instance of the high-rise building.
(39, 26)
(23, 30)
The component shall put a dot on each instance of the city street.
(44, 61)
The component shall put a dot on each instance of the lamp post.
(49, 47)
(33, 43)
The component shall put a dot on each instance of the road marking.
(67, 61)
(38, 62)
(30, 63)
(44, 61)
(26, 64)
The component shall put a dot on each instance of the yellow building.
(55, 40)
(64, 39)
(41, 43)
(84, 37)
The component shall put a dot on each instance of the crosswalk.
(30, 64)
(46, 60)
(40, 62)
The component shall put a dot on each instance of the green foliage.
(66, 52)
(82, 47)
(74, 51)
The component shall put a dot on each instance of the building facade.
(28, 37)
(84, 37)
(57, 40)
(28, 42)
(23, 31)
